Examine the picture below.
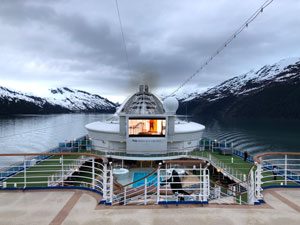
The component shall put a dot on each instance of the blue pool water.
(138, 175)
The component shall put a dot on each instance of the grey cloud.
(80, 44)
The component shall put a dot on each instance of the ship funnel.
(143, 88)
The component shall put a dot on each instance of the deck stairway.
(66, 172)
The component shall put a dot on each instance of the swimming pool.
(138, 175)
(135, 174)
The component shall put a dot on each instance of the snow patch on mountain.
(66, 98)
(78, 100)
(251, 81)
(15, 96)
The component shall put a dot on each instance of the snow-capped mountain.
(77, 100)
(15, 96)
(255, 93)
(286, 69)
(60, 100)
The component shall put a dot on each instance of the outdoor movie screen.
(147, 127)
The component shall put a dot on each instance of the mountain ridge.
(253, 94)
(60, 100)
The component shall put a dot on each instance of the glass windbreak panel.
(154, 127)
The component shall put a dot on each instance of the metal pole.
(111, 186)
(125, 192)
(285, 169)
(93, 173)
(25, 174)
(252, 185)
(258, 181)
(145, 192)
(205, 185)
(158, 184)
(105, 181)
(208, 184)
(200, 182)
(62, 170)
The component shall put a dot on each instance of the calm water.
(256, 135)
(37, 133)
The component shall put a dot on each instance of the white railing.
(164, 186)
(58, 170)
(66, 171)
(278, 169)
(222, 195)
(227, 169)
(193, 185)
(142, 194)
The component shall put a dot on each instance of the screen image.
(149, 127)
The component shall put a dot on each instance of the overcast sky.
(53, 43)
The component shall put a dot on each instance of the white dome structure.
(143, 103)
(145, 128)
(170, 105)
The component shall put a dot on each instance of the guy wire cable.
(224, 45)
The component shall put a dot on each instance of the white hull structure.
(144, 127)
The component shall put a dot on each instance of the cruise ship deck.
(143, 161)
(80, 207)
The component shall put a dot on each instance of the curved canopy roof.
(142, 102)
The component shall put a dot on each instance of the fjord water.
(38, 133)
(256, 135)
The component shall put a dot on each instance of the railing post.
(93, 173)
(125, 194)
(251, 187)
(285, 169)
(158, 184)
(111, 183)
(234, 191)
(205, 186)
(105, 181)
(62, 170)
(145, 192)
(257, 181)
(25, 173)
(200, 183)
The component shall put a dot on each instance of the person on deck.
(175, 184)
(245, 155)
(275, 172)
